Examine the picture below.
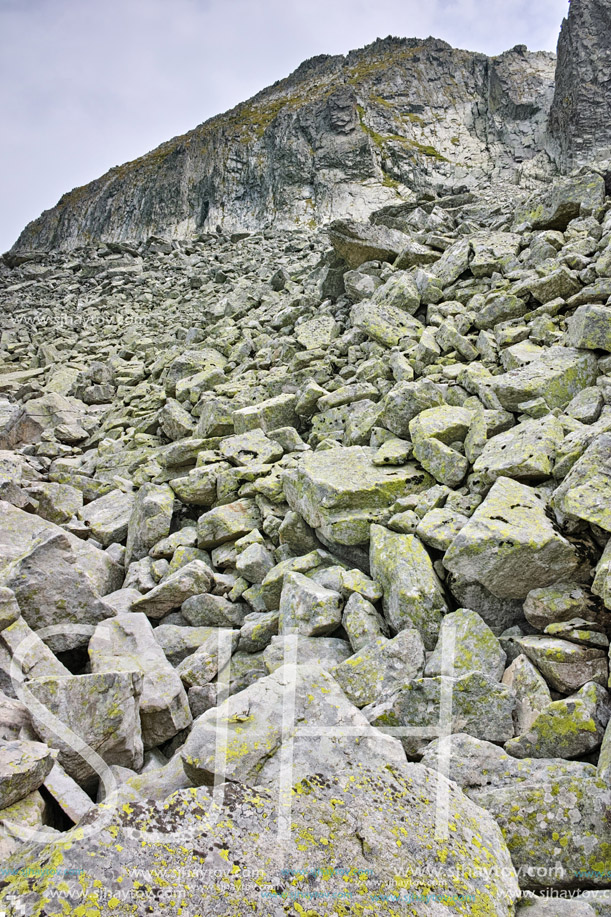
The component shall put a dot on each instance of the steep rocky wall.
(580, 118)
(340, 137)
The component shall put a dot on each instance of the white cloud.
(87, 84)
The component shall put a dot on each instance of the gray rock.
(191, 580)
(150, 520)
(380, 666)
(342, 492)
(307, 608)
(562, 602)
(99, 711)
(590, 328)
(531, 691)
(255, 734)
(108, 517)
(476, 649)
(559, 374)
(509, 545)
(567, 728)
(23, 768)
(479, 706)
(361, 622)
(56, 577)
(226, 523)
(243, 823)
(413, 595)
(326, 652)
(566, 666)
(585, 492)
(127, 644)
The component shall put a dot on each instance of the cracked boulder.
(509, 545)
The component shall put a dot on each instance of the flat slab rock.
(341, 492)
(247, 862)
(509, 545)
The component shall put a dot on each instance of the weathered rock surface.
(361, 124)
(265, 505)
(316, 803)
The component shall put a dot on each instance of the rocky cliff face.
(340, 137)
(580, 118)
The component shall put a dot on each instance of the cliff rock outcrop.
(580, 118)
(340, 137)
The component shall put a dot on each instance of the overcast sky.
(89, 84)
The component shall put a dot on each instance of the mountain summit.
(344, 135)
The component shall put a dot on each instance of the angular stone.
(566, 728)
(192, 579)
(384, 323)
(492, 252)
(565, 666)
(431, 432)
(253, 446)
(455, 260)
(9, 608)
(150, 520)
(175, 422)
(590, 328)
(476, 649)
(307, 608)
(399, 291)
(228, 522)
(30, 655)
(531, 691)
(555, 830)
(243, 823)
(317, 332)
(357, 242)
(380, 666)
(178, 642)
(198, 487)
(479, 706)
(67, 794)
(362, 622)
(439, 527)
(255, 563)
(564, 201)
(413, 595)
(500, 307)
(257, 631)
(57, 578)
(56, 502)
(242, 739)
(405, 401)
(203, 665)
(559, 283)
(509, 545)
(127, 644)
(267, 415)
(46, 413)
(587, 405)
(213, 611)
(602, 581)
(23, 768)
(585, 493)
(341, 492)
(326, 652)
(107, 518)
(100, 710)
(525, 453)
(190, 362)
(479, 767)
(562, 602)
(559, 374)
